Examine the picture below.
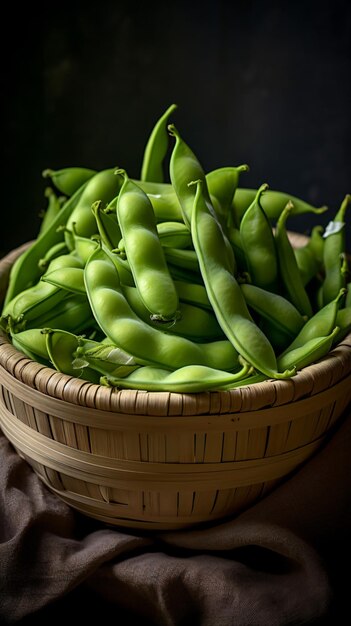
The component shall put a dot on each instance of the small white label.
(332, 228)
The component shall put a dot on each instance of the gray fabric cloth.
(283, 561)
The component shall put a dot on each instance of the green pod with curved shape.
(225, 294)
(68, 179)
(61, 346)
(193, 293)
(257, 240)
(222, 184)
(174, 235)
(58, 250)
(103, 186)
(334, 248)
(273, 203)
(273, 307)
(26, 270)
(104, 357)
(289, 271)
(309, 353)
(187, 379)
(84, 247)
(54, 204)
(72, 313)
(195, 323)
(32, 343)
(68, 278)
(164, 200)
(145, 254)
(156, 149)
(148, 345)
(320, 324)
(309, 257)
(107, 225)
(186, 259)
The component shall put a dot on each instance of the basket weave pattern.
(165, 460)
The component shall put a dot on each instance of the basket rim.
(309, 381)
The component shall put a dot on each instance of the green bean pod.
(148, 345)
(273, 203)
(67, 180)
(67, 278)
(61, 346)
(320, 324)
(164, 200)
(107, 225)
(289, 271)
(309, 257)
(58, 250)
(84, 247)
(182, 258)
(279, 311)
(257, 240)
(54, 206)
(309, 353)
(72, 313)
(187, 379)
(103, 186)
(225, 294)
(334, 247)
(26, 270)
(195, 323)
(192, 293)
(174, 235)
(343, 321)
(222, 184)
(145, 253)
(185, 167)
(32, 343)
(156, 149)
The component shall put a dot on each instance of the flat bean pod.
(334, 247)
(273, 307)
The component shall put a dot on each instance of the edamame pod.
(289, 271)
(102, 186)
(61, 346)
(53, 208)
(225, 294)
(273, 307)
(258, 244)
(309, 353)
(273, 203)
(145, 253)
(148, 345)
(156, 149)
(67, 180)
(319, 325)
(32, 343)
(107, 225)
(195, 323)
(334, 247)
(188, 379)
(222, 184)
(174, 235)
(68, 278)
(26, 271)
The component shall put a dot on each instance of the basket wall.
(165, 460)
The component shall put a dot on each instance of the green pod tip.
(260, 191)
(47, 173)
(173, 131)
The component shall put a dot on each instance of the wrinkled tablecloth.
(284, 561)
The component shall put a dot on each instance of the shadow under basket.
(159, 460)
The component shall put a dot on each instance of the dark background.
(263, 83)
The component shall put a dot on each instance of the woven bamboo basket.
(163, 460)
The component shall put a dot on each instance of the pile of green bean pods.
(188, 285)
